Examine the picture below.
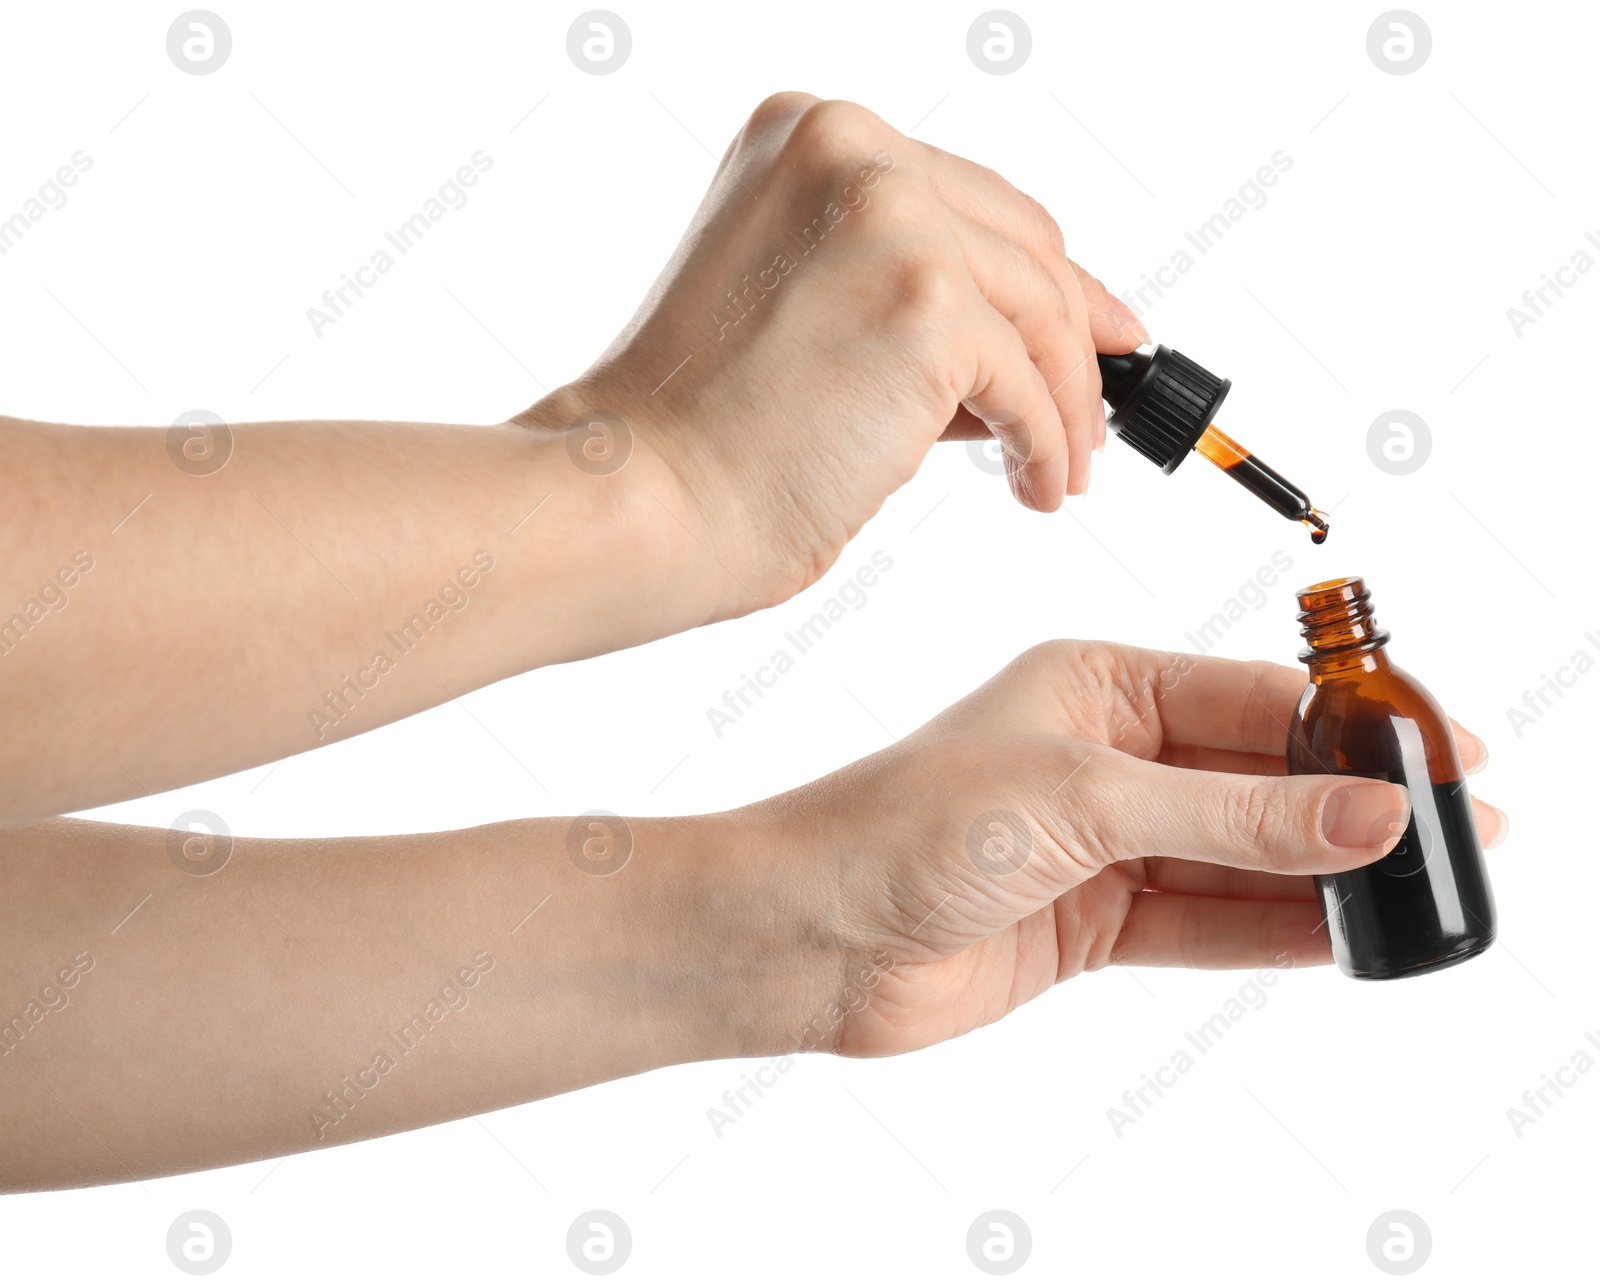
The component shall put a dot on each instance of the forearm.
(316, 992)
(158, 626)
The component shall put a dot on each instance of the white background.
(1417, 210)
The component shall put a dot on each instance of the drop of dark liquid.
(1317, 524)
(1318, 535)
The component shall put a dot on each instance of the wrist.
(651, 508)
(773, 901)
(758, 917)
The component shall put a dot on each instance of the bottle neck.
(1337, 623)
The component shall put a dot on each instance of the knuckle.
(1051, 658)
(1111, 660)
(778, 109)
(925, 291)
(828, 134)
(1089, 806)
(1049, 231)
(1257, 813)
(1096, 389)
(1087, 281)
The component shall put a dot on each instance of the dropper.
(1162, 405)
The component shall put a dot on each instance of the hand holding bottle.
(1091, 805)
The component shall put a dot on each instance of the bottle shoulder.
(1359, 719)
(1385, 685)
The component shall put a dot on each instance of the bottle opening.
(1336, 619)
(1322, 585)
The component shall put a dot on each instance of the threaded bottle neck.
(1336, 622)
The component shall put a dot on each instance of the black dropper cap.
(1163, 404)
(1161, 401)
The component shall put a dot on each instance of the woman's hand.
(844, 297)
(906, 899)
(1090, 805)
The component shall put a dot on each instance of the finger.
(1164, 697)
(1078, 319)
(981, 194)
(1474, 754)
(1247, 707)
(1113, 807)
(1173, 875)
(1493, 825)
(1208, 759)
(1109, 326)
(1113, 326)
(1211, 701)
(1160, 704)
(1022, 291)
(987, 198)
(1010, 396)
(1093, 388)
(1215, 933)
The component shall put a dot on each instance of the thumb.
(1113, 326)
(1292, 825)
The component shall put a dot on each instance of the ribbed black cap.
(1161, 401)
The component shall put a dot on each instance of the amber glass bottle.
(1427, 904)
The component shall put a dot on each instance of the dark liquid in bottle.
(1426, 904)
(1423, 907)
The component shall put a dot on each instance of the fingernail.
(1374, 812)
(1483, 756)
(1501, 830)
(1130, 318)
